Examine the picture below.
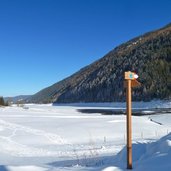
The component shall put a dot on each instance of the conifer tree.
(2, 103)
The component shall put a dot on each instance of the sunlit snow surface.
(46, 137)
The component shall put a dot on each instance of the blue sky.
(44, 41)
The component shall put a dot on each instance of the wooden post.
(129, 124)
(130, 81)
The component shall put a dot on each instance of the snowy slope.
(46, 137)
(154, 156)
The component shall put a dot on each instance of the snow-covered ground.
(46, 137)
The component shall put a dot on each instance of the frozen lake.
(47, 137)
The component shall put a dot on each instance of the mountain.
(148, 55)
(17, 98)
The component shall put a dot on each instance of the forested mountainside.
(148, 55)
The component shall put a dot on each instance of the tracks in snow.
(10, 132)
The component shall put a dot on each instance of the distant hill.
(16, 98)
(148, 55)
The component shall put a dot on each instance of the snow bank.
(154, 156)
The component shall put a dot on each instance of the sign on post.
(130, 81)
(130, 75)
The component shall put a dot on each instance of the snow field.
(45, 137)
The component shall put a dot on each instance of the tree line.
(2, 102)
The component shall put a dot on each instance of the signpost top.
(130, 76)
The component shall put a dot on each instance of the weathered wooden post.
(130, 81)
